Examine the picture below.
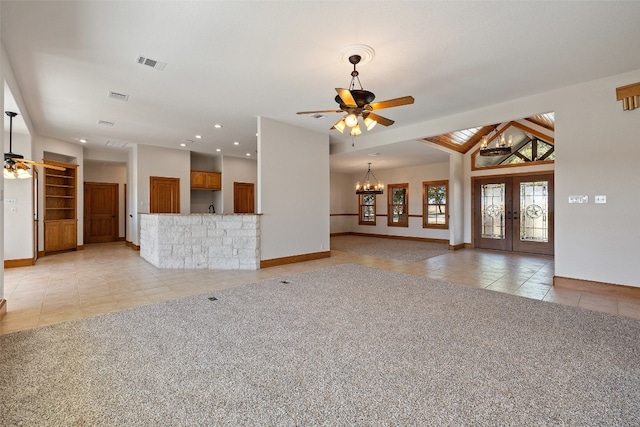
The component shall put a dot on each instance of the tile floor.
(111, 277)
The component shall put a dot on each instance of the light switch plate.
(578, 199)
(600, 199)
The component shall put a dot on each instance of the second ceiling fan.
(359, 103)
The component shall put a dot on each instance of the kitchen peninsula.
(201, 241)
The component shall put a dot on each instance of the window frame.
(361, 221)
(426, 204)
(390, 205)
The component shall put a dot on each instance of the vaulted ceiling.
(227, 62)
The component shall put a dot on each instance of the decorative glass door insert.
(514, 213)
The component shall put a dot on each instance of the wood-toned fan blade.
(319, 111)
(44, 165)
(396, 102)
(21, 165)
(382, 120)
(347, 98)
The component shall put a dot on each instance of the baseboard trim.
(293, 259)
(121, 239)
(602, 288)
(3, 308)
(13, 263)
(389, 236)
(457, 247)
(132, 246)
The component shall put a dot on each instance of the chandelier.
(366, 187)
(501, 146)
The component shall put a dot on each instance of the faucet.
(212, 209)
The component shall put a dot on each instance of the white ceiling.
(231, 61)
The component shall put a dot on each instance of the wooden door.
(100, 212)
(165, 195)
(243, 196)
(514, 213)
(34, 198)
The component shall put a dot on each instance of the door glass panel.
(534, 210)
(492, 201)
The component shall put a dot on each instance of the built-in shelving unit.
(60, 207)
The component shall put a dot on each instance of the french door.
(514, 213)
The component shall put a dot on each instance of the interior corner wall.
(2, 61)
(343, 204)
(293, 190)
(456, 198)
(133, 233)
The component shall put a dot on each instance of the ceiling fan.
(15, 165)
(359, 103)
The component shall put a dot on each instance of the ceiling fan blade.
(19, 164)
(347, 98)
(382, 120)
(319, 111)
(396, 102)
(44, 165)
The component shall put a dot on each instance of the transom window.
(435, 204)
(367, 215)
(398, 205)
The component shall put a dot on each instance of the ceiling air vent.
(318, 116)
(105, 123)
(115, 144)
(118, 96)
(150, 62)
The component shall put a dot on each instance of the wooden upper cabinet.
(206, 180)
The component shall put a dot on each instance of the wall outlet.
(10, 201)
(600, 199)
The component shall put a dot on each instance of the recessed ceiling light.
(198, 136)
(218, 149)
(248, 154)
(236, 143)
(183, 145)
(373, 154)
(217, 126)
(84, 141)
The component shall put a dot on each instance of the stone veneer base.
(201, 241)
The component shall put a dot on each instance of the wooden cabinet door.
(198, 179)
(213, 181)
(60, 235)
(165, 195)
(243, 196)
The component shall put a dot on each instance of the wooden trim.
(458, 246)
(12, 263)
(602, 288)
(80, 248)
(41, 254)
(389, 236)
(132, 246)
(425, 204)
(293, 259)
(3, 308)
(344, 233)
(390, 187)
(344, 214)
(121, 239)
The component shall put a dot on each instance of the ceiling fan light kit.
(15, 165)
(358, 103)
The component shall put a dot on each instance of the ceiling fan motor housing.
(361, 96)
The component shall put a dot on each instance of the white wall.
(235, 169)
(343, 204)
(414, 176)
(295, 217)
(113, 174)
(167, 163)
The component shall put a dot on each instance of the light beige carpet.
(341, 346)
(402, 250)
